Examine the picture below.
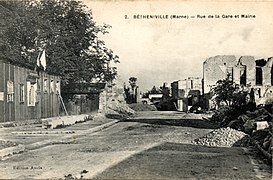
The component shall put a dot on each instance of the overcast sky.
(164, 50)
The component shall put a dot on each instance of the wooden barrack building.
(26, 94)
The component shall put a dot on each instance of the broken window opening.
(259, 71)
(243, 75)
(259, 76)
(261, 62)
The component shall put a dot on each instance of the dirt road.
(154, 145)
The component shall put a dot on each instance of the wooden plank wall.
(47, 104)
(50, 101)
(8, 106)
(2, 89)
(94, 104)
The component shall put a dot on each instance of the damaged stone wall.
(186, 85)
(181, 90)
(215, 68)
(247, 63)
(245, 70)
(195, 83)
(112, 102)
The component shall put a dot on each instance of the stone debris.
(111, 114)
(115, 106)
(142, 107)
(257, 123)
(263, 141)
(118, 111)
(223, 137)
(121, 108)
(262, 125)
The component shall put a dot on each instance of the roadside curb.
(7, 152)
(98, 128)
(44, 143)
(67, 140)
(43, 132)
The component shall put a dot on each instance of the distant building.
(186, 93)
(155, 98)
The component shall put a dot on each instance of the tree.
(165, 92)
(223, 91)
(155, 90)
(68, 33)
(228, 92)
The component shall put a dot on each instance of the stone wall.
(249, 63)
(217, 68)
(181, 90)
(112, 101)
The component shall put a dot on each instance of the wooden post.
(63, 104)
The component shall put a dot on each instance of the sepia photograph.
(136, 89)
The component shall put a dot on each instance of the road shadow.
(183, 161)
(195, 123)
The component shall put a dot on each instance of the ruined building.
(186, 93)
(244, 70)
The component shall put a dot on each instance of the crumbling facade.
(186, 92)
(245, 71)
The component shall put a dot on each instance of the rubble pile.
(257, 124)
(121, 108)
(223, 137)
(257, 120)
(263, 141)
(142, 107)
(116, 107)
